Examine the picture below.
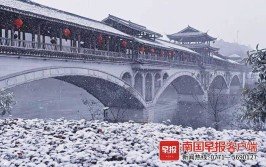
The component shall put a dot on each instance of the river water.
(51, 98)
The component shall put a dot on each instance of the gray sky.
(221, 18)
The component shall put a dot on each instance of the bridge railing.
(166, 59)
(86, 52)
(5, 41)
(36, 49)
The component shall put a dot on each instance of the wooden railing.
(67, 52)
(63, 49)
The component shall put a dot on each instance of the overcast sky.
(221, 18)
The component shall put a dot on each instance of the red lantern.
(152, 50)
(100, 39)
(67, 33)
(18, 23)
(162, 53)
(142, 49)
(124, 44)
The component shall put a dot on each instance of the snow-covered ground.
(72, 143)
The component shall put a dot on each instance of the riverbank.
(60, 142)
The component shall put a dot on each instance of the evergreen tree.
(255, 99)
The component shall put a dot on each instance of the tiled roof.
(48, 12)
(132, 25)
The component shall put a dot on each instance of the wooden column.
(60, 39)
(24, 39)
(39, 36)
(79, 39)
(43, 41)
(107, 45)
(119, 47)
(6, 36)
(73, 41)
(90, 40)
(19, 38)
(33, 39)
(12, 36)
(1, 41)
(94, 41)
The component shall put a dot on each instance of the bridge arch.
(138, 82)
(127, 77)
(198, 86)
(235, 81)
(218, 82)
(235, 89)
(93, 81)
(165, 76)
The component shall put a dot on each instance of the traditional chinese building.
(131, 28)
(195, 40)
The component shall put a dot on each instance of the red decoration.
(100, 39)
(124, 44)
(67, 33)
(142, 49)
(18, 23)
(162, 53)
(152, 50)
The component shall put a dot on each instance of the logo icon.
(169, 150)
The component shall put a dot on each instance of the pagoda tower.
(195, 40)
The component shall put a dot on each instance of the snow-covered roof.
(175, 46)
(165, 44)
(154, 43)
(190, 32)
(219, 58)
(226, 60)
(200, 45)
(234, 56)
(131, 25)
(38, 9)
(232, 61)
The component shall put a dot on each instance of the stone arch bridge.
(133, 87)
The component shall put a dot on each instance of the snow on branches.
(255, 99)
(6, 102)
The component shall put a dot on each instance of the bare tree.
(118, 113)
(6, 102)
(217, 103)
(94, 109)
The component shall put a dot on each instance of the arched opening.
(235, 90)
(62, 100)
(217, 92)
(127, 78)
(180, 101)
(138, 85)
(165, 76)
(218, 98)
(148, 87)
(157, 82)
(110, 91)
(218, 83)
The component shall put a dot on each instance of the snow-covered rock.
(63, 142)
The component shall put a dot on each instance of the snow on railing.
(86, 52)
(57, 48)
